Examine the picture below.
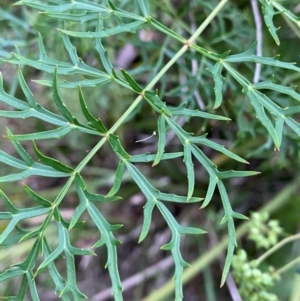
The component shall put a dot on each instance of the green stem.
(287, 266)
(203, 261)
(207, 21)
(277, 247)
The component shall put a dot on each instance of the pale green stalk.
(277, 247)
(287, 266)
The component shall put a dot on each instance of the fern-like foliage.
(98, 22)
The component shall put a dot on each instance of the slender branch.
(277, 247)
(259, 38)
(287, 267)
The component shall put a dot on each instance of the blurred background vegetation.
(144, 54)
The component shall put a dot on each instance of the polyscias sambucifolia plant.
(100, 22)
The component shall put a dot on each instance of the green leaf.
(129, 27)
(104, 57)
(255, 98)
(61, 7)
(118, 179)
(21, 151)
(100, 198)
(268, 84)
(216, 71)
(236, 174)
(221, 148)
(37, 198)
(90, 83)
(249, 56)
(230, 250)
(56, 277)
(58, 101)
(27, 92)
(95, 122)
(161, 127)
(12, 161)
(149, 157)
(182, 111)
(190, 169)
(132, 83)
(210, 191)
(10, 100)
(177, 198)
(268, 11)
(156, 103)
(52, 162)
(117, 147)
(144, 7)
(56, 133)
(166, 30)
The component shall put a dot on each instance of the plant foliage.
(98, 23)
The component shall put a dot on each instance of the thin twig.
(259, 38)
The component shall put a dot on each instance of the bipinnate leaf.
(16, 215)
(229, 214)
(26, 110)
(174, 247)
(270, 85)
(250, 56)
(58, 280)
(64, 247)
(268, 11)
(261, 102)
(48, 65)
(153, 196)
(85, 198)
(28, 170)
(25, 269)
(111, 242)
